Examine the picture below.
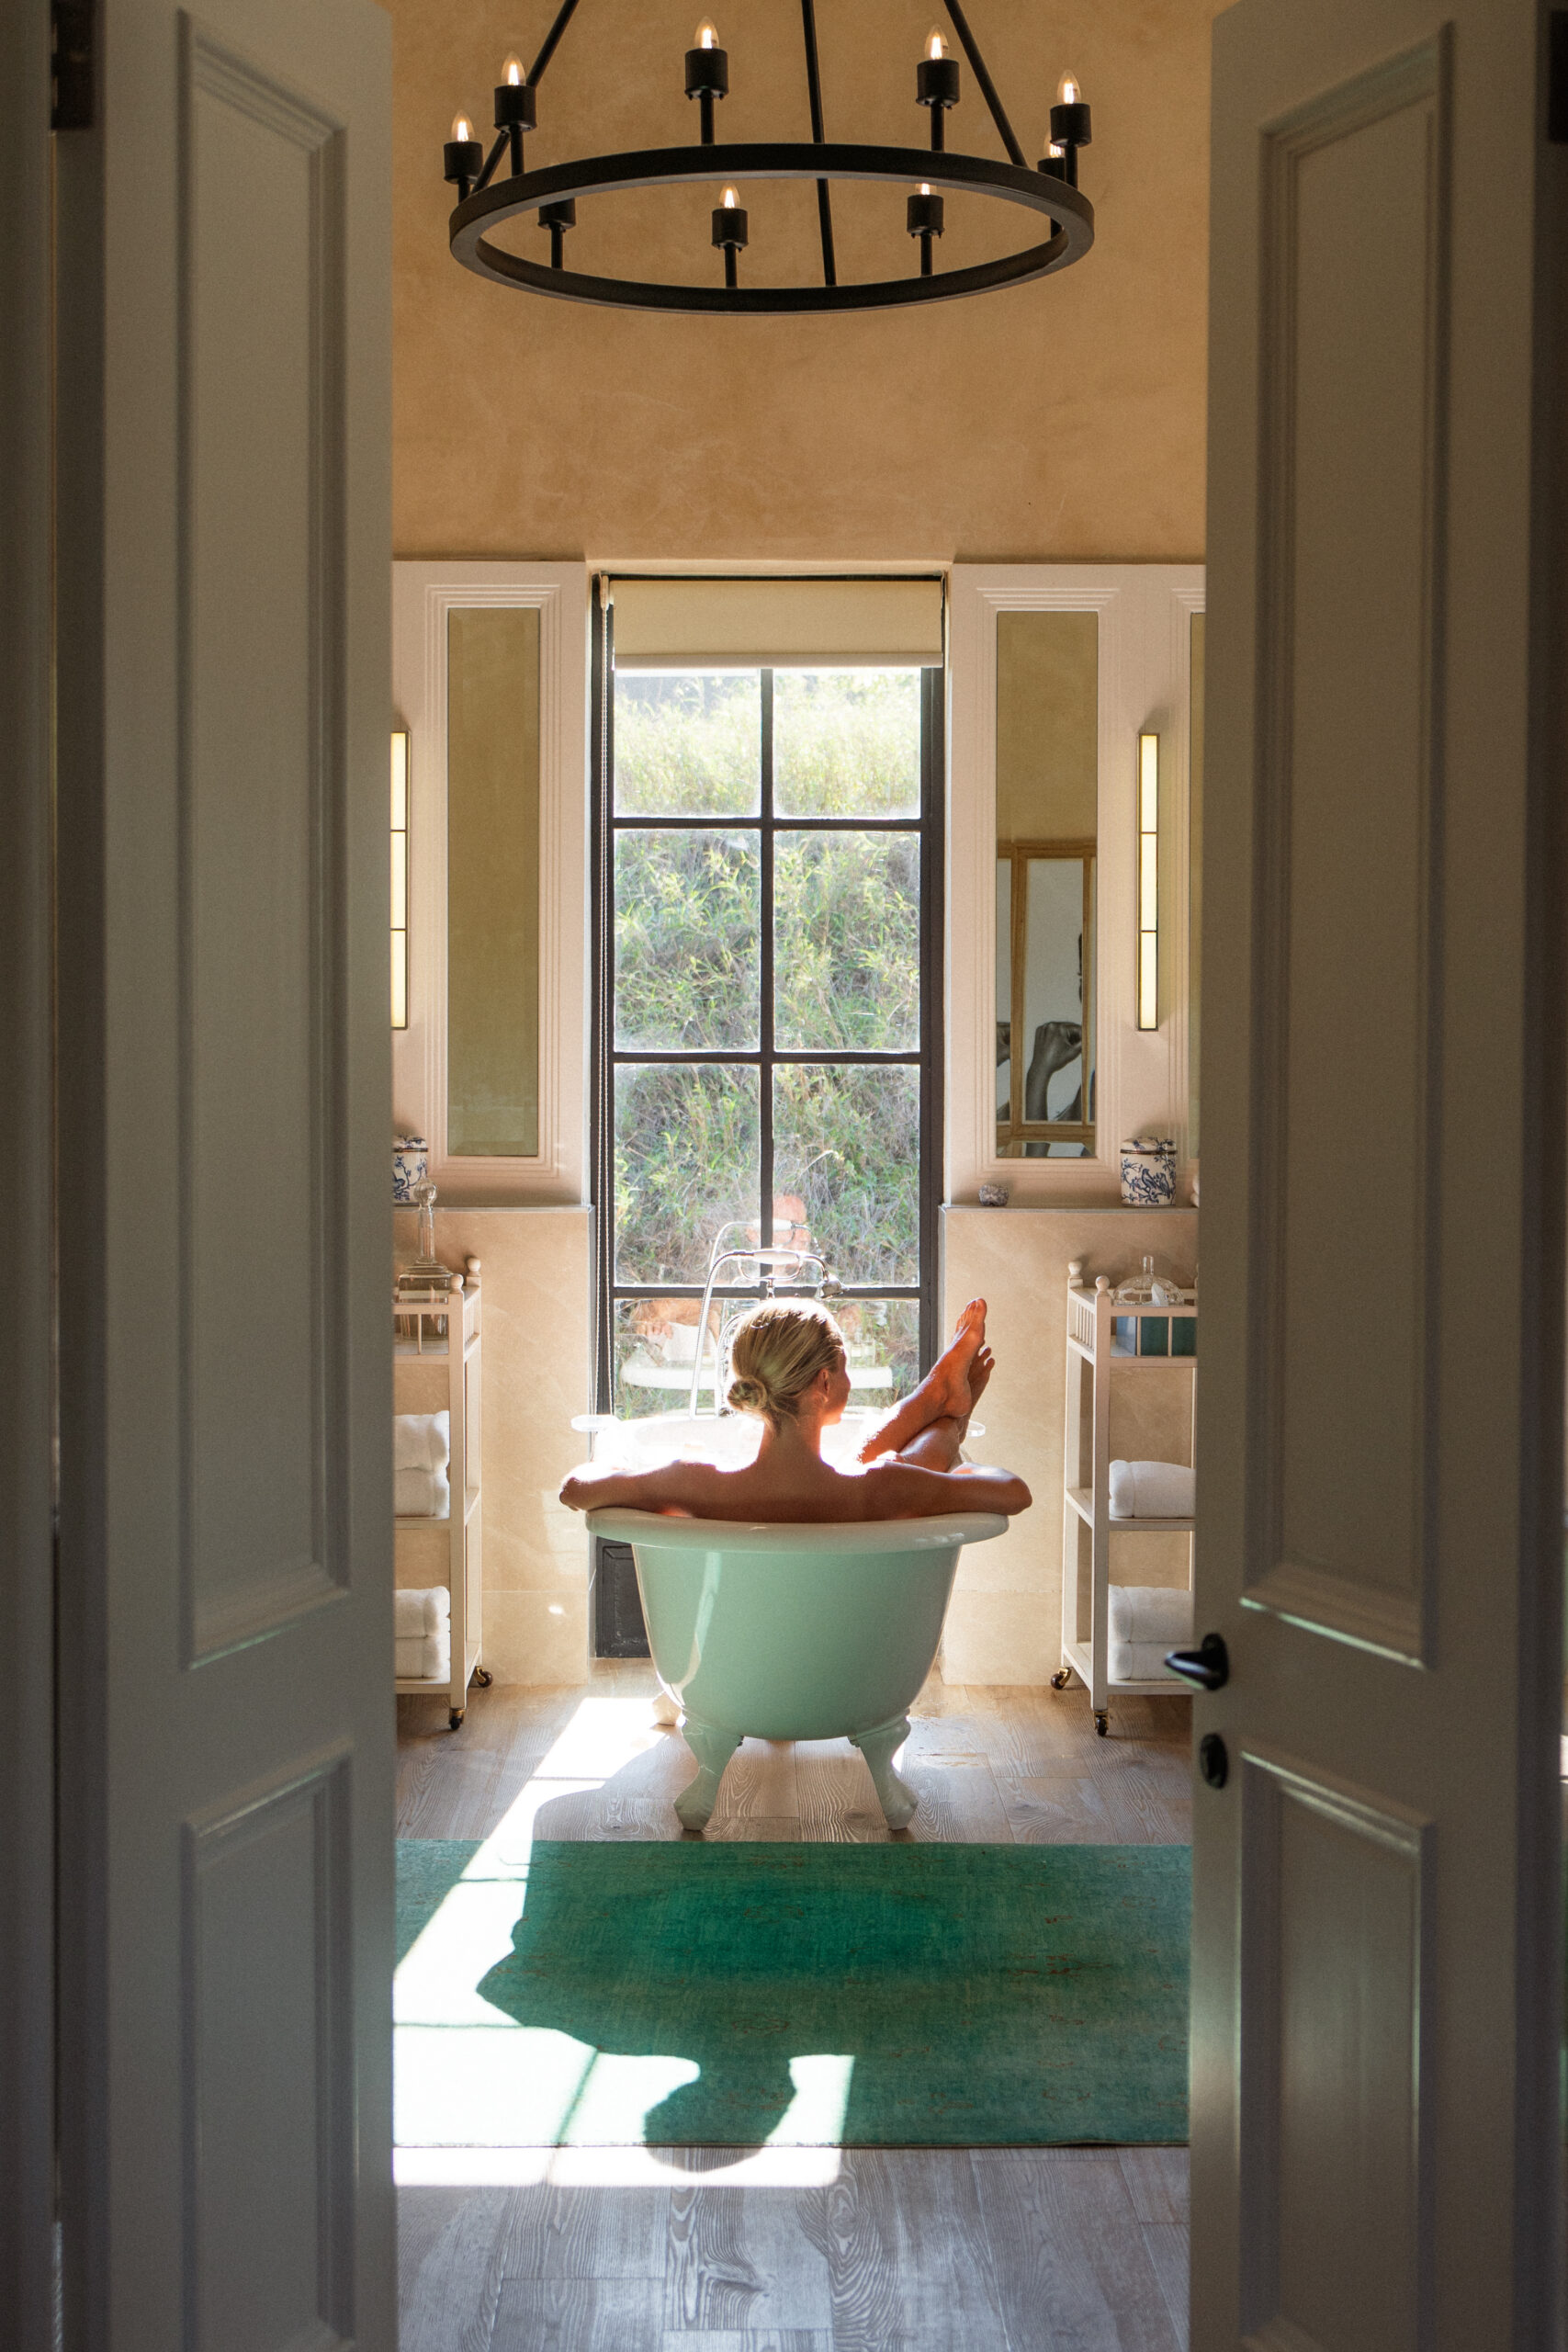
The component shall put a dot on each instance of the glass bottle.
(425, 1271)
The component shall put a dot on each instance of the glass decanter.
(426, 1273)
(1138, 1290)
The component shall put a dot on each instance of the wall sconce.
(1148, 881)
(399, 877)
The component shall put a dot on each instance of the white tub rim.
(655, 1532)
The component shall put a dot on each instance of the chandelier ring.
(1070, 213)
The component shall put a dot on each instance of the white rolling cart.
(1093, 1355)
(444, 1330)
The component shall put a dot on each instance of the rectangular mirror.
(492, 882)
(1047, 816)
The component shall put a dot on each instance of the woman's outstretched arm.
(666, 1489)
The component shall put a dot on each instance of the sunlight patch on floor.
(482, 2101)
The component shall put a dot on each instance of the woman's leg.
(937, 1446)
(944, 1393)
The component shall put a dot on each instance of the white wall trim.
(1143, 680)
(423, 595)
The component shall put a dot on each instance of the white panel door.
(1376, 1980)
(223, 643)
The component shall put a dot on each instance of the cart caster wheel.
(455, 1719)
(482, 1678)
(1101, 1722)
(1060, 1679)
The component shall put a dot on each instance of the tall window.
(768, 932)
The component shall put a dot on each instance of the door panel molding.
(262, 783)
(1311, 2139)
(270, 2197)
(1347, 935)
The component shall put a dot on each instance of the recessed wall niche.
(1047, 792)
(492, 882)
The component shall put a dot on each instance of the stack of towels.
(422, 1623)
(1144, 1621)
(421, 1447)
(1149, 1490)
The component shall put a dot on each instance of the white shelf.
(1161, 1686)
(1092, 1357)
(1126, 1355)
(1082, 1501)
(457, 1353)
(415, 1686)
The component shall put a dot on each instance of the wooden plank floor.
(909, 2250)
(906, 2250)
(1019, 1766)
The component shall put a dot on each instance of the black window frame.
(929, 829)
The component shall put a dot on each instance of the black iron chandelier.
(1051, 189)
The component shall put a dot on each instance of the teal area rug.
(739, 1995)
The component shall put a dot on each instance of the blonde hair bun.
(778, 1350)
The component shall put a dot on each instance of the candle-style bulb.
(925, 187)
(513, 70)
(936, 47)
(731, 199)
(1055, 150)
(462, 128)
(707, 34)
(1068, 91)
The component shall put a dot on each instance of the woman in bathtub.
(789, 1367)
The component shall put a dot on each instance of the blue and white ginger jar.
(1148, 1172)
(411, 1165)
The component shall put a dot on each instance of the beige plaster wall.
(1004, 1619)
(535, 1275)
(1058, 422)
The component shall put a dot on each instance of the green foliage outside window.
(846, 978)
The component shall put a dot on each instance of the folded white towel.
(417, 1613)
(420, 1494)
(1149, 1613)
(1140, 1662)
(421, 1440)
(424, 1657)
(1152, 1490)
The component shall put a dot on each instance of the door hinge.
(1557, 78)
(71, 95)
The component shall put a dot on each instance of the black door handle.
(1209, 1664)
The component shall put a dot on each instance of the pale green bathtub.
(795, 1633)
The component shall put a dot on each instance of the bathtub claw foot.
(713, 1749)
(896, 1798)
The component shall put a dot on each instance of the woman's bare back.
(914, 1472)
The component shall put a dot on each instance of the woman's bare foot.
(946, 1392)
(946, 1388)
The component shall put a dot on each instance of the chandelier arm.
(563, 18)
(814, 93)
(987, 87)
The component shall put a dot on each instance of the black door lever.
(1209, 1664)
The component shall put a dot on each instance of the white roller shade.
(793, 624)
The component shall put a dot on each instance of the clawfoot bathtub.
(794, 1633)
